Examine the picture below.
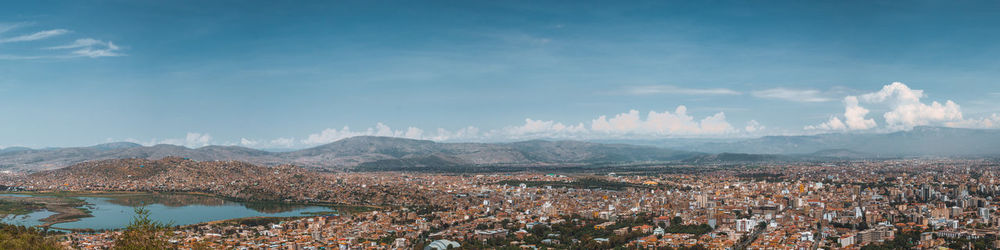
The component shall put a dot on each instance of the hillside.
(228, 178)
(54, 158)
(353, 152)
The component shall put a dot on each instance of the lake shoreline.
(72, 206)
(105, 193)
(65, 209)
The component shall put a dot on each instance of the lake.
(115, 211)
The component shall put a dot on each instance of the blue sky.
(295, 74)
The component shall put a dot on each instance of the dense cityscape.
(914, 203)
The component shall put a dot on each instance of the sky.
(295, 74)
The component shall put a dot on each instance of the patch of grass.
(19, 208)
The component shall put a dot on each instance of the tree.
(21, 237)
(143, 233)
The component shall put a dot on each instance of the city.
(918, 203)
(514, 124)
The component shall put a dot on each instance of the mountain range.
(398, 153)
(357, 152)
(920, 141)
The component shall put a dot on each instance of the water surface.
(115, 211)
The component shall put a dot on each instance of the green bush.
(143, 233)
(21, 237)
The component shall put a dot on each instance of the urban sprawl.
(911, 203)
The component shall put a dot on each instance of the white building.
(745, 225)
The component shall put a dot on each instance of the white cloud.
(192, 140)
(854, 115)
(85, 47)
(34, 36)
(89, 47)
(794, 95)
(992, 121)
(753, 126)
(854, 118)
(905, 110)
(466, 133)
(661, 124)
(16, 57)
(248, 142)
(670, 89)
(331, 134)
(544, 128)
(4, 27)
(285, 142)
(412, 132)
(833, 124)
(79, 43)
(624, 125)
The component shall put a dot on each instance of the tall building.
(744, 225)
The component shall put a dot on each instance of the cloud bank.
(892, 108)
(661, 124)
(191, 140)
(631, 124)
(905, 111)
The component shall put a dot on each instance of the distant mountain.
(116, 145)
(13, 149)
(921, 141)
(53, 158)
(840, 153)
(387, 153)
(350, 153)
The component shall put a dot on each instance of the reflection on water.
(272, 207)
(180, 200)
(170, 200)
(30, 219)
(115, 211)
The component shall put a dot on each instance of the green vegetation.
(768, 177)
(21, 237)
(143, 233)
(964, 243)
(904, 240)
(251, 221)
(19, 207)
(677, 226)
(65, 209)
(578, 233)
